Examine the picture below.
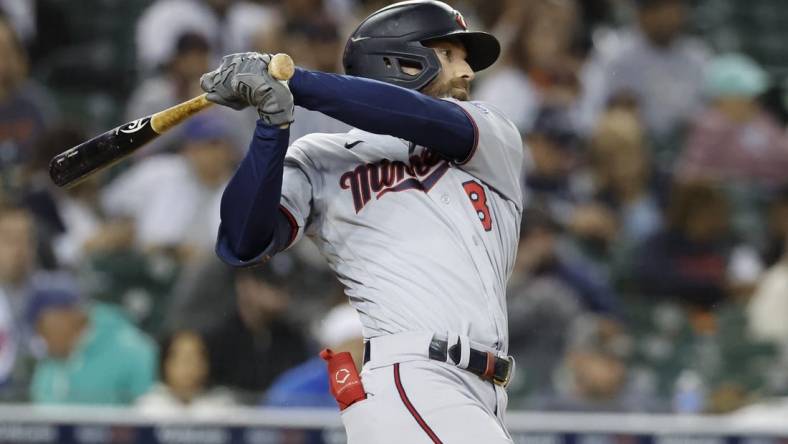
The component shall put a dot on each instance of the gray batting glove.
(217, 83)
(271, 97)
(243, 79)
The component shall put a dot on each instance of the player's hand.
(218, 83)
(243, 79)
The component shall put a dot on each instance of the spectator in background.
(19, 274)
(193, 303)
(594, 375)
(227, 24)
(17, 255)
(558, 185)
(693, 259)
(735, 139)
(307, 384)
(656, 64)
(619, 164)
(542, 69)
(25, 108)
(555, 150)
(256, 343)
(307, 30)
(185, 380)
(174, 198)
(313, 40)
(767, 311)
(15, 262)
(777, 227)
(69, 218)
(94, 354)
(547, 293)
(8, 343)
(316, 45)
(115, 272)
(178, 81)
(21, 13)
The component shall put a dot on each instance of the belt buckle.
(509, 372)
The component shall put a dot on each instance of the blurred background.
(652, 273)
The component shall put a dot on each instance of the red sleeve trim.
(475, 138)
(293, 225)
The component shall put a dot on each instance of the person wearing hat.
(94, 355)
(735, 138)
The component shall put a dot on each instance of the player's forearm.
(251, 200)
(381, 108)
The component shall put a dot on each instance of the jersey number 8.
(478, 199)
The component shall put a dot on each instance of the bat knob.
(281, 67)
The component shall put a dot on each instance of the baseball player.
(417, 211)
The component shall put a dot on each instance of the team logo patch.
(342, 375)
(461, 21)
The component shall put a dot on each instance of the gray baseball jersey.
(420, 243)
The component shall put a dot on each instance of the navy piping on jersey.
(413, 412)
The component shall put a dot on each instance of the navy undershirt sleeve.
(382, 108)
(251, 220)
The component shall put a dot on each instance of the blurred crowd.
(651, 276)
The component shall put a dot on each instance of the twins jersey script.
(420, 243)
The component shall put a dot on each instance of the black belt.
(484, 364)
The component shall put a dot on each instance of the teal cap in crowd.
(735, 75)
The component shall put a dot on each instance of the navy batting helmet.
(393, 37)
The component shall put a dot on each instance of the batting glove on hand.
(217, 83)
(242, 80)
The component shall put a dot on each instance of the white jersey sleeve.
(497, 155)
(298, 181)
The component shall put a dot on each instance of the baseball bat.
(75, 164)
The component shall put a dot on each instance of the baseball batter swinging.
(417, 210)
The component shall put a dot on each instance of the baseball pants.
(413, 399)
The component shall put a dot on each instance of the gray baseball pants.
(413, 399)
